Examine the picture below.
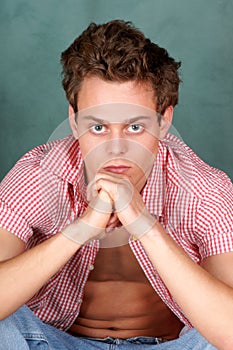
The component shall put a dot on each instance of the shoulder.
(199, 197)
(31, 186)
(205, 193)
(185, 169)
(33, 159)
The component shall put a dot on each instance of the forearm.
(21, 277)
(206, 301)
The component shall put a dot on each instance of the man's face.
(117, 128)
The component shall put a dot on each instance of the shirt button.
(90, 267)
(79, 300)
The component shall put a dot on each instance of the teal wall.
(197, 32)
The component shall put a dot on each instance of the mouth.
(117, 169)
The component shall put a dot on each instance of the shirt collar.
(63, 158)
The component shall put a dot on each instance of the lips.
(117, 169)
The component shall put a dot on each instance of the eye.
(135, 128)
(98, 129)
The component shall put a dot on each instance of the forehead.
(116, 113)
(95, 91)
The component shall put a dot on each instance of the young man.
(118, 236)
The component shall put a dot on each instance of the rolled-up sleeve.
(214, 222)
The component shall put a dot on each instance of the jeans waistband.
(133, 340)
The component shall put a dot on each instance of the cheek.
(93, 156)
(86, 145)
(152, 145)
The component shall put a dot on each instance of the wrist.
(156, 232)
(80, 231)
(142, 225)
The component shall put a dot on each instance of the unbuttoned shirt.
(46, 190)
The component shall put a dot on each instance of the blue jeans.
(23, 330)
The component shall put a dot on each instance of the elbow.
(4, 314)
(6, 311)
(226, 344)
(223, 342)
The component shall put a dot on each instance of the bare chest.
(119, 301)
(117, 264)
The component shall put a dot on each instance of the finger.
(113, 218)
(102, 203)
(113, 221)
(91, 191)
(108, 186)
(121, 193)
(104, 196)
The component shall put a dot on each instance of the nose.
(117, 146)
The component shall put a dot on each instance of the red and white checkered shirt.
(46, 190)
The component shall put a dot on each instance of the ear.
(166, 121)
(72, 121)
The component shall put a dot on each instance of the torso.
(119, 301)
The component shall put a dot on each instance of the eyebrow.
(135, 119)
(102, 121)
(90, 117)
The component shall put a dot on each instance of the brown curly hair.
(117, 51)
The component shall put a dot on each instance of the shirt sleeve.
(14, 223)
(214, 222)
(21, 207)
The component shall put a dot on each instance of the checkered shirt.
(46, 190)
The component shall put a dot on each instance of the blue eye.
(98, 129)
(135, 128)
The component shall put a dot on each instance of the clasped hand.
(112, 200)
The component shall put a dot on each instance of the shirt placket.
(155, 281)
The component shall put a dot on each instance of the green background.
(197, 32)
